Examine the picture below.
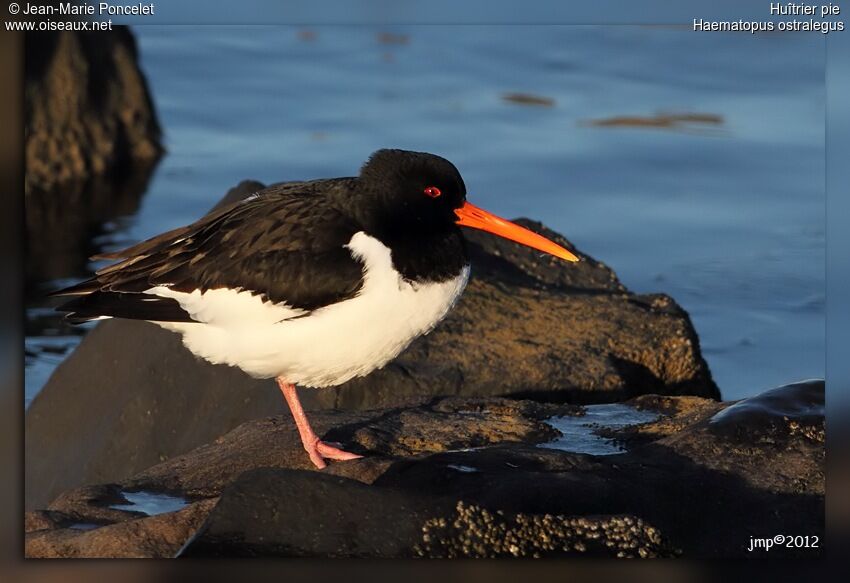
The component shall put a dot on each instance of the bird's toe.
(333, 453)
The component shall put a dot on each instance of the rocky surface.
(554, 331)
(475, 477)
(133, 536)
(88, 109)
(92, 140)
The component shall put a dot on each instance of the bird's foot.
(319, 451)
(330, 452)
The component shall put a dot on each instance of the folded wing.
(284, 244)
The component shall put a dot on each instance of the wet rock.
(775, 440)
(775, 415)
(154, 536)
(444, 425)
(458, 423)
(675, 414)
(46, 520)
(88, 108)
(470, 477)
(93, 504)
(554, 331)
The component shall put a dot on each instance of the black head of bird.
(403, 194)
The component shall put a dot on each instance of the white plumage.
(327, 346)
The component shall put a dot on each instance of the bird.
(310, 283)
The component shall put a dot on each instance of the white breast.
(328, 346)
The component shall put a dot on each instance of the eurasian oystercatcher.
(312, 283)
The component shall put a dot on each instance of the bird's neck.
(432, 257)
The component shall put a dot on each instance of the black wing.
(285, 243)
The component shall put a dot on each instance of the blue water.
(579, 432)
(727, 218)
(150, 503)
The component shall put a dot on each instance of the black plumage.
(287, 243)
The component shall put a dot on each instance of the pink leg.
(316, 449)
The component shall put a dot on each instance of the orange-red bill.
(470, 215)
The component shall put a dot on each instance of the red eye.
(433, 191)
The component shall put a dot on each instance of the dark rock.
(92, 141)
(88, 108)
(306, 514)
(297, 513)
(467, 477)
(775, 440)
(554, 331)
(775, 415)
(93, 504)
(446, 424)
(46, 520)
(154, 536)
(129, 418)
